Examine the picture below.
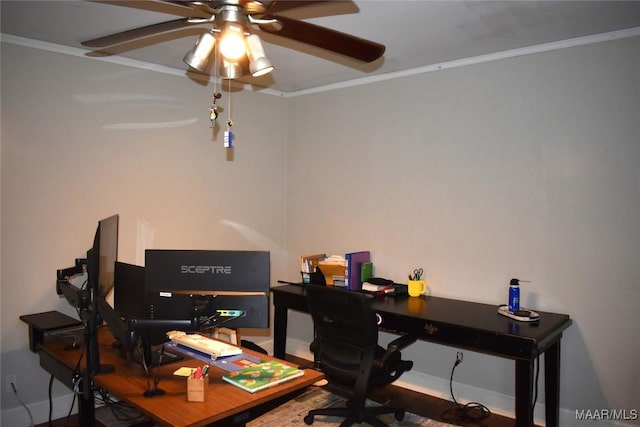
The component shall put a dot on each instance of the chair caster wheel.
(308, 420)
(399, 415)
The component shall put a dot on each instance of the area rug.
(293, 412)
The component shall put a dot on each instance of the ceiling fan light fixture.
(259, 64)
(198, 57)
(230, 70)
(232, 42)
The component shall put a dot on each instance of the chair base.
(353, 415)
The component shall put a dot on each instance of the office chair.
(346, 350)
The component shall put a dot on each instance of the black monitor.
(234, 284)
(132, 303)
(151, 315)
(128, 291)
(101, 259)
(100, 268)
(108, 254)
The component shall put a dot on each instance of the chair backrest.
(346, 332)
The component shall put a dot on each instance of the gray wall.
(524, 167)
(82, 140)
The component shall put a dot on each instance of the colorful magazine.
(262, 375)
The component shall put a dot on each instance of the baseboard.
(19, 417)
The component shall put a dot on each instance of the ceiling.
(418, 35)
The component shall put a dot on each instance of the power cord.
(50, 395)
(122, 411)
(535, 386)
(15, 392)
(471, 412)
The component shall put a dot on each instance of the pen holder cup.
(197, 388)
(417, 287)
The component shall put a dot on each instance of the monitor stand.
(152, 355)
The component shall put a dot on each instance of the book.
(338, 281)
(366, 271)
(309, 263)
(372, 287)
(262, 375)
(353, 260)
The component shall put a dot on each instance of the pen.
(205, 370)
(198, 373)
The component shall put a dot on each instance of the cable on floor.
(473, 412)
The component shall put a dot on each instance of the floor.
(429, 406)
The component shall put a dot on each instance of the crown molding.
(546, 47)
(119, 60)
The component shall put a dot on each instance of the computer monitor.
(128, 291)
(235, 284)
(108, 253)
(149, 314)
(101, 259)
(131, 302)
(100, 268)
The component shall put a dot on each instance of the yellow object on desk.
(417, 287)
(183, 372)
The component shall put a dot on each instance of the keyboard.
(212, 347)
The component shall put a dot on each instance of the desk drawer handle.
(430, 329)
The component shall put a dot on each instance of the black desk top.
(461, 323)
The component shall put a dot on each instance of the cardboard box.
(197, 388)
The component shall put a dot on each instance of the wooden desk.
(462, 324)
(225, 403)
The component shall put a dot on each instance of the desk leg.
(524, 391)
(552, 385)
(86, 406)
(280, 317)
(65, 374)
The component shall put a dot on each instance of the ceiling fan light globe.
(230, 70)
(260, 67)
(232, 43)
(198, 57)
(195, 62)
(259, 64)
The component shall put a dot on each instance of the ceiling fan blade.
(136, 33)
(325, 38)
(276, 6)
(171, 7)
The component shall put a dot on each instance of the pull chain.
(228, 135)
(213, 110)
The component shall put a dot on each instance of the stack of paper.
(309, 263)
(333, 267)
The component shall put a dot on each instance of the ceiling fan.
(229, 34)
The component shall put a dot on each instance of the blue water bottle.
(514, 295)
